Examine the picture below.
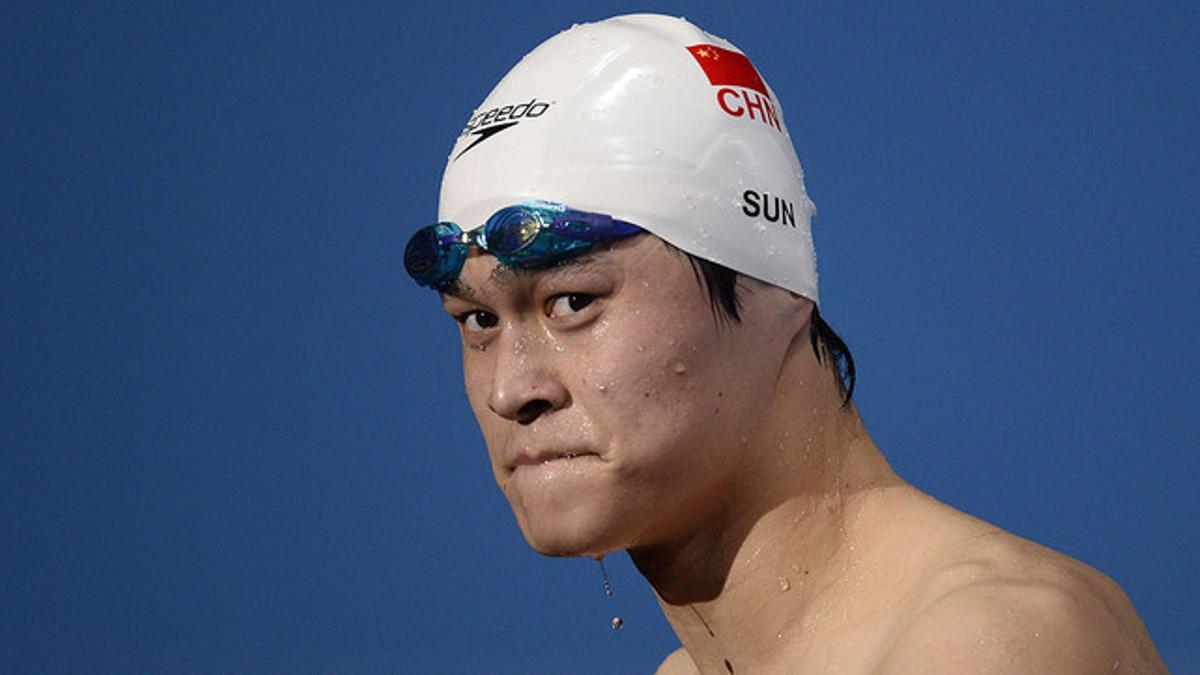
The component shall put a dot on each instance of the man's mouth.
(542, 457)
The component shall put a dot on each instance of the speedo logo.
(487, 123)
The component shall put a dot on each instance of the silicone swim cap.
(651, 120)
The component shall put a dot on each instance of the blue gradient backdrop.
(233, 434)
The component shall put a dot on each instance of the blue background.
(233, 433)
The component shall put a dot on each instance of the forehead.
(644, 258)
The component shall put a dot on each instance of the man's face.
(614, 407)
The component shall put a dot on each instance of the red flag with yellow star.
(728, 68)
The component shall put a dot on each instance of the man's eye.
(478, 320)
(566, 305)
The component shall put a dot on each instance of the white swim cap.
(651, 120)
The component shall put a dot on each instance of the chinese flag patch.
(727, 68)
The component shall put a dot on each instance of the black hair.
(722, 286)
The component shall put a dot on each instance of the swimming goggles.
(530, 235)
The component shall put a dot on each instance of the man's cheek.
(478, 388)
(653, 403)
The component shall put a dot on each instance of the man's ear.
(801, 311)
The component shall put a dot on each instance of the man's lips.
(543, 456)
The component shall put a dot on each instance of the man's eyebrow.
(460, 290)
(505, 275)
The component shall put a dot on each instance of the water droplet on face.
(617, 622)
(559, 348)
(601, 387)
(680, 369)
(784, 584)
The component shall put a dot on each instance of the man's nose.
(526, 384)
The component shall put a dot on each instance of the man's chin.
(566, 540)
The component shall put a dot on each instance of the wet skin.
(607, 395)
(620, 414)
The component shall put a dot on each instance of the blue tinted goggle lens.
(511, 230)
(435, 254)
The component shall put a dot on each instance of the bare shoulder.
(677, 663)
(1005, 604)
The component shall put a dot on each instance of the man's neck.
(742, 577)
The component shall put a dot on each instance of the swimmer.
(624, 241)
